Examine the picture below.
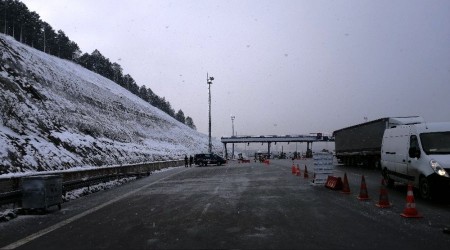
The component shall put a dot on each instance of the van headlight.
(438, 169)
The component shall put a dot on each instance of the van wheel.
(389, 182)
(424, 188)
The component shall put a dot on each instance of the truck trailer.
(361, 144)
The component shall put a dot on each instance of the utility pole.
(209, 80)
(232, 134)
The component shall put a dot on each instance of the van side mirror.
(414, 153)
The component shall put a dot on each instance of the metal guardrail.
(10, 187)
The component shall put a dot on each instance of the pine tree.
(179, 116)
(190, 123)
(143, 94)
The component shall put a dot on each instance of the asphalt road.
(235, 206)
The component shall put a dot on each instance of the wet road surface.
(239, 206)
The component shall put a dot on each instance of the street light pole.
(209, 82)
(232, 134)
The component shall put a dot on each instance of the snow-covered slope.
(55, 114)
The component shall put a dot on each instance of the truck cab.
(418, 154)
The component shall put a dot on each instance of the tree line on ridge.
(27, 27)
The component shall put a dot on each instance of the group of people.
(188, 162)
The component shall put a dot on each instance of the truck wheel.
(351, 161)
(424, 188)
(366, 163)
(377, 164)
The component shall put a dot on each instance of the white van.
(418, 154)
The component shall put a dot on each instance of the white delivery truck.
(418, 154)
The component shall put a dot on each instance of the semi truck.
(361, 144)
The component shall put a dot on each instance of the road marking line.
(206, 208)
(78, 216)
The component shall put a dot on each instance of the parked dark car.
(205, 159)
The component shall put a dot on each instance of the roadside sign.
(323, 167)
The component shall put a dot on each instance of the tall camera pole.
(232, 134)
(209, 82)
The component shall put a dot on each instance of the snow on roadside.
(9, 212)
(57, 115)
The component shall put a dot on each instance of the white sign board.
(323, 167)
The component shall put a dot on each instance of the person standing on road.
(185, 161)
(191, 160)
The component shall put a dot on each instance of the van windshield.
(436, 142)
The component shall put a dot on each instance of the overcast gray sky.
(280, 67)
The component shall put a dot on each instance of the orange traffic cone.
(298, 171)
(293, 168)
(410, 210)
(363, 195)
(305, 175)
(384, 200)
(345, 186)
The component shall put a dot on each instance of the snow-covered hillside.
(55, 114)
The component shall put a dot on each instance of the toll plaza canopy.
(309, 139)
